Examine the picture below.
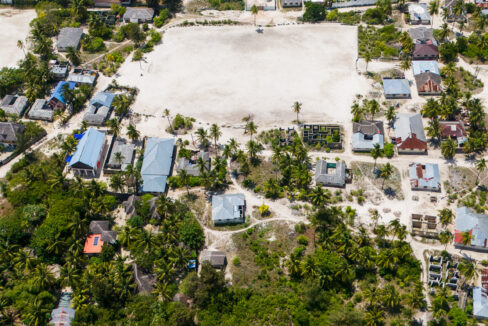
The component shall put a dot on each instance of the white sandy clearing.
(221, 74)
(14, 26)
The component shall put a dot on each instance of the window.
(95, 241)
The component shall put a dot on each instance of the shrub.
(303, 240)
(236, 261)
(300, 228)
(248, 183)
(137, 56)
(264, 210)
(332, 15)
(314, 12)
(94, 45)
(164, 16)
(389, 150)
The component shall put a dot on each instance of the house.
(14, 104)
(481, 3)
(352, 3)
(9, 132)
(419, 14)
(260, 4)
(88, 155)
(190, 165)
(57, 101)
(422, 34)
(229, 208)
(455, 130)
(292, 3)
(366, 134)
(452, 15)
(99, 109)
(69, 37)
(396, 88)
(477, 226)
(480, 303)
(421, 66)
(145, 282)
(83, 77)
(126, 158)
(428, 83)
(41, 110)
(156, 166)
(59, 71)
(426, 50)
(109, 3)
(217, 259)
(138, 15)
(98, 235)
(409, 134)
(63, 314)
(424, 176)
(330, 174)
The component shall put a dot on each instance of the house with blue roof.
(87, 158)
(480, 303)
(228, 209)
(468, 221)
(366, 134)
(424, 177)
(157, 163)
(396, 88)
(421, 66)
(56, 101)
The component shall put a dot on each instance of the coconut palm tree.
(215, 133)
(297, 108)
(73, 55)
(466, 238)
(448, 148)
(445, 237)
(251, 128)
(434, 130)
(390, 116)
(480, 167)
(133, 133)
(202, 137)
(433, 10)
(254, 12)
(386, 172)
(375, 153)
(373, 108)
(319, 197)
(357, 112)
(468, 269)
(445, 216)
(167, 114)
(185, 180)
(114, 126)
(21, 46)
(367, 58)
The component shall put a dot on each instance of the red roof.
(458, 236)
(93, 244)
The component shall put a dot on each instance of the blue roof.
(102, 99)
(156, 166)
(89, 148)
(429, 178)
(467, 220)
(359, 141)
(58, 91)
(420, 66)
(396, 86)
(480, 302)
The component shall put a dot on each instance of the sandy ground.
(15, 26)
(226, 73)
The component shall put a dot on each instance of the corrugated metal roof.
(156, 166)
(359, 142)
(227, 207)
(408, 124)
(480, 302)
(468, 220)
(420, 66)
(69, 37)
(89, 148)
(396, 86)
(102, 99)
(425, 175)
(58, 91)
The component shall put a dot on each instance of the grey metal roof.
(69, 37)
(191, 166)
(14, 104)
(424, 77)
(421, 33)
(480, 303)
(102, 99)
(9, 131)
(477, 224)
(103, 228)
(324, 174)
(59, 69)
(396, 86)
(64, 313)
(96, 116)
(142, 14)
(419, 12)
(80, 76)
(40, 111)
(424, 175)
(127, 151)
(156, 166)
(359, 141)
(216, 258)
(228, 207)
(88, 149)
(420, 66)
(408, 124)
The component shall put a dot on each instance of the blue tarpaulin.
(68, 159)
(78, 136)
(192, 264)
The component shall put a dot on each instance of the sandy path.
(15, 26)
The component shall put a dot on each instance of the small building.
(481, 3)
(425, 51)
(14, 104)
(99, 109)
(41, 110)
(81, 76)
(424, 176)
(352, 3)
(452, 16)
(99, 234)
(190, 165)
(59, 71)
(366, 134)
(157, 163)
(260, 4)
(330, 174)
(57, 100)
(87, 158)
(228, 209)
(422, 34)
(291, 3)
(395, 88)
(63, 314)
(480, 303)
(409, 134)
(109, 3)
(120, 162)
(421, 66)
(428, 83)
(69, 37)
(217, 259)
(454, 130)
(419, 14)
(9, 133)
(138, 15)
(477, 226)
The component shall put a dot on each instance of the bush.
(94, 45)
(389, 150)
(300, 228)
(332, 15)
(264, 210)
(164, 16)
(248, 183)
(137, 56)
(303, 240)
(314, 12)
(236, 261)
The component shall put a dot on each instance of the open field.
(15, 26)
(225, 73)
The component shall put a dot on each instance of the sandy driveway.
(14, 26)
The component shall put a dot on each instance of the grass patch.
(392, 187)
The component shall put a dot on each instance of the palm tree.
(114, 126)
(445, 237)
(466, 238)
(297, 108)
(480, 166)
(357, 112)
(215, 133)
(431, 109)
(202, 137)
(253, 149)
(406, 63)
(133, 133)
(373, 107)
(433, 10)
(375, 153)
(166, 114)
(374, 317)
(390, 116)
(21, 46)
(448, 148)
(254, 12)
(468, 270)
(73, 55)
(185, 180)
(386, 172)
(118, 157)
(445, 216)
(319, 197)
(434, 130)
(367, 58)
(251, 128)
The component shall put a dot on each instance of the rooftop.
(216, 258)
(156, 166)
(420, 66)
(41, 111)
(330, 174)
(93, 244)
(14, 104)
(127, 155)
(424, 176)
(418, 11)
(69, 37)
(59, 91)
(409, 126)
(9, 131)
(476, 224)
(138, 14)
(421, 33)
(366, 134)
(228, 207)
(88, 150)
(396, 86)
(190, 165)
(454, 129)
